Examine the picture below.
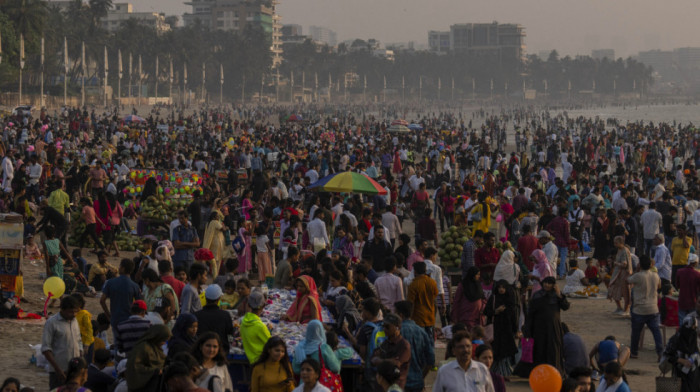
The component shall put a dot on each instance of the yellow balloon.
(55, 286)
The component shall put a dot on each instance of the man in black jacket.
(378, 249)
(213, 319)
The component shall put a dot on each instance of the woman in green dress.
(53, 252)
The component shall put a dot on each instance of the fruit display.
(77, 228)
(128, 242)
(159, 208)
(450, 245)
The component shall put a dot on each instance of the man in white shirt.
(317, 230)
(463, 374)
(391, 222)
(312, 174)
(415, 181)
(651, 224)
(549, 249)
(34, 176)
(8, 173)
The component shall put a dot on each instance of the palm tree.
(99, 9)
(27, 15)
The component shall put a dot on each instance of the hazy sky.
(570, 26)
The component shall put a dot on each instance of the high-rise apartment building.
(506, 41)
(237, 15)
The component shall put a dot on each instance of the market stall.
(277, 304)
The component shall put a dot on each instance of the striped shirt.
(130, 331)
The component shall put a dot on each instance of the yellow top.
(679, 252)
(85, 323)
(59, 201)
(269, 376)
(228, 300)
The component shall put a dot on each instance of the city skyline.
(568, 26)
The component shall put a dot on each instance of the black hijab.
(472, 288)
(508, 298)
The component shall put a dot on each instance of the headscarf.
(315, 337)
(506, 269)
(470, 287)
(147, 358)
(295, 312)
(688, 336)
(182, 324)
(508, 298)
(346, 308)
(544, 270)
(542, 264)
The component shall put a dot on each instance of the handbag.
(527, 346)
(668, 384)
(329, 379)
(238, 244)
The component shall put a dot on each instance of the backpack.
(377, 338)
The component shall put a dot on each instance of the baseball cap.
(141, 304)
(213, 292)
(544, 234)
(692, 259)
(256, 300)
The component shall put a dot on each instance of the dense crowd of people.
(544, 197)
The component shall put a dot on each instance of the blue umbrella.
(415, 127)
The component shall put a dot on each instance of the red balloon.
(545, 378)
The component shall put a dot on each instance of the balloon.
(179, 180)
(125, 190)
(138, 189)
(158, 178)
(187, 188)
(499, 218)
(55, 286)
(132, 190)
(167, 190)
(160, 190)
(133, 174)
(545, 378)
(140, 175)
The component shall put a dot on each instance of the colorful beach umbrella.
(415, 127)
(348, 182)
(294, 118)
(400, 122)
(398, 129)
(134, 118)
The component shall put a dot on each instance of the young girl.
(207, 350)
(31, 249)
(263, 255)
(84, 319)
(273, 370)
(592, 273)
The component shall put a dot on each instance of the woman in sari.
(246, 256)
(541, 270)
(214, 239)
(306, 306)
(619, 288)
(246, 204)
(469, 300)
(147, 359)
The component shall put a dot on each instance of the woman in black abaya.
(503, 311)
(543, 325)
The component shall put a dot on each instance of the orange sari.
(306, 307)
